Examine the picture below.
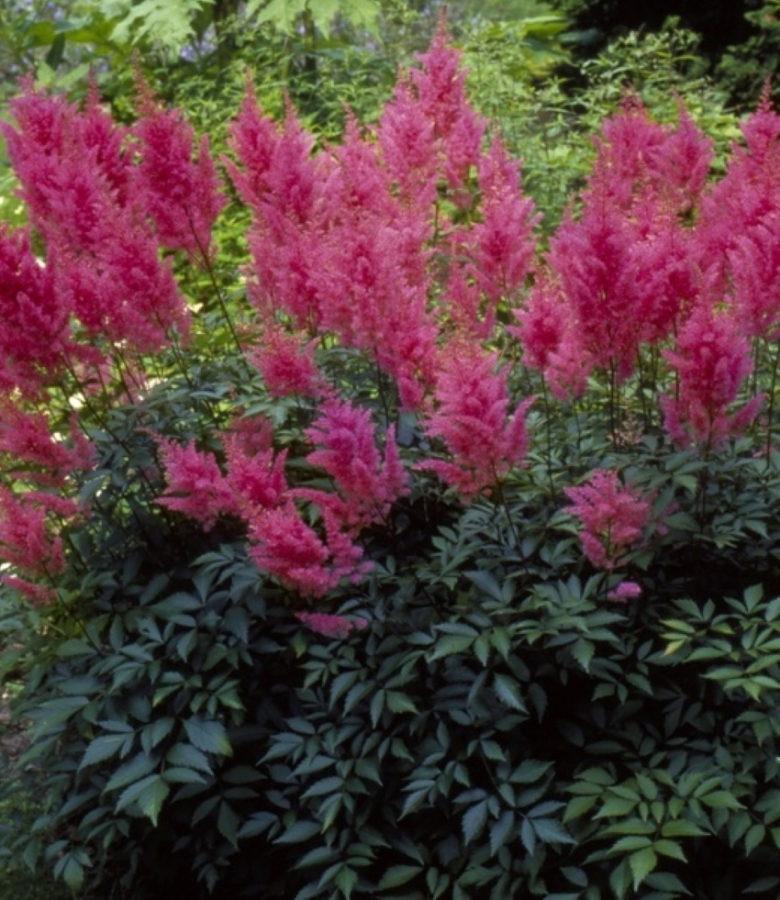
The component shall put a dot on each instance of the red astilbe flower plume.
(284, 546)
(613, 517)
(712, 360)
(34, 329)
(471, 417)
(681, 163)
(329, 625)
(367, 486)
(27, 542)
(595, 263)
(195, 485)
(34, 453)
(287, 364)
(503, 244)
(755, 266)
(257, 480)
(178, 190)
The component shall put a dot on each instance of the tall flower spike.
(471, 417)
(178, 189)
(594, 260)
(26, 540)
(346, 449)
(34, 327)
(504, 244)
(283, 545)
(712, 360)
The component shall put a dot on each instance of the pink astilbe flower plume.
(345, 441)
(284, 546)
(755, 265)
(34, 327)
(712, 360)
(329, 625)
(626, 590)
(629, 142)
(681, 163)
(408, 141)
(257, 480)
(541, 323)
(178, 190)
(195, 485)
(613, 517)
(747, 195)
(440, 84)
(594, 261)
(27, 541)
(503, 240)
(287, 364)
(471, 417)
(35, 455)
(373, 294)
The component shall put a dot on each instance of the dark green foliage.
(499, 729)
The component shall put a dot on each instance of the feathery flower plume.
(195, 485)
(34, 328)
(613, 517)
(712, 361)
(179, 191)
(345, 442)
(329, 625)
(471, 418)
(287, 364)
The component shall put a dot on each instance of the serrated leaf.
(721, 800)
(102, 748)
(395, 876)
(298, 832)
(642, 864)
(208, 735)
(186, 755)
(500, 830)
(508, 692)
(138, 767)
(450, 644)
(681, 828)
(474, 820)
(152, 797)
(551, 831)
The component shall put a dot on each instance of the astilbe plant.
(375, 400)
(406, 244)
